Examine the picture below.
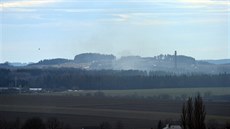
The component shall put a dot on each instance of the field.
(80, 111)
(173, 92)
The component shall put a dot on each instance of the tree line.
(64, 78)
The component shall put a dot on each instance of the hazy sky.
(32, 30)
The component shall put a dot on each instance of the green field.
(170, 91)
(173, 92)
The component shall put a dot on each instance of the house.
(168, 126)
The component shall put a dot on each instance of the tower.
(175, 59)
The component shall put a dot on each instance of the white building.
(172, 127)
(35, 89)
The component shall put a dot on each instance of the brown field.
(79, 111)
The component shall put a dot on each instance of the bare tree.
(199, 113)
(184, 117)
(193, 114)
(189, 110)
(159, 125)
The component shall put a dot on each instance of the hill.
(221, 61)
(93, 57)
(56, 61)
(180, 64)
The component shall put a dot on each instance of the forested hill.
(93, 57)
(51, 62)
(61, 79)
(179, 64)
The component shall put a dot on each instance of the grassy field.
(173, 92)
(79, 111)
(170, 91)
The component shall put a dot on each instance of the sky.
(32, 30)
